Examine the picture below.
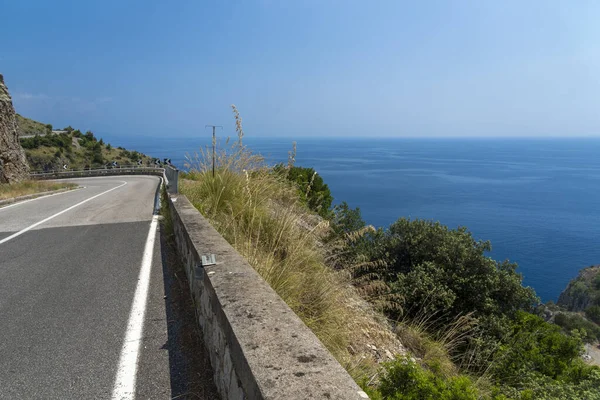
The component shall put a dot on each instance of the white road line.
(45, 196)
(22, 231)
(124, 387)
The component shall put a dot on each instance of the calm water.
(535, 200)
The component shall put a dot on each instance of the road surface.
(82, 305)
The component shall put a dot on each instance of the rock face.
(583, 291)
(13, 164)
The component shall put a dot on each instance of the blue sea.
(536, 200)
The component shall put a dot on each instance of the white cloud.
(76, 104)
(30, 96)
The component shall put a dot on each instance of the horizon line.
(250, 137)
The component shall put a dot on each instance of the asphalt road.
(71, 266)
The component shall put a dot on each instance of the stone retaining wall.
(259, 348)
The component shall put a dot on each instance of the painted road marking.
(45, 196)
(124, 387)
(22, 231)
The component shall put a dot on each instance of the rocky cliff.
(13, 164)
(583, 291)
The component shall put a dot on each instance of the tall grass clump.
(260, 213)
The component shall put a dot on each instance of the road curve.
(70, 265)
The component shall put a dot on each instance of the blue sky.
(311, 67)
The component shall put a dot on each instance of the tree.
(536, 347)
(593, 313)
(449, 267)
(346, 219)
(311, 187)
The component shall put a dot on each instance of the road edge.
(32, 196)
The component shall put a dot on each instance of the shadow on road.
(189, 362)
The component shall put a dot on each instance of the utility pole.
(214, 144)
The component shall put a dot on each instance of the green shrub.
(593, 313)
(596, 282)
(535, 347)
(404, 379)
(62, 141)
(311, 187)
(571, 321)
(447, 270)
(346, 220)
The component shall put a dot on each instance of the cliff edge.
(583, 291)
(13, 164)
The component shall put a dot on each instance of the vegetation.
(261, 214)
(8, 191)
(405, 379)
(467, 319)
(26, 126)
(312, 191)
(73, 148)
(573, 323)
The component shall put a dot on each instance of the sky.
(307, 68)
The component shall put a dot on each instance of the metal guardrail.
(170, 173)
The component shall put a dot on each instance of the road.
(82, 299)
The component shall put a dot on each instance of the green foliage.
(535, 347)
(26, 126)
(596, 282)
(589, 331)
(542, 388)
(345, 219)
(48, 152)
(62, 141)
(311, 187)
(593, 313)
(444, 270)
(405, 379)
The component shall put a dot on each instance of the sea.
(536, 200)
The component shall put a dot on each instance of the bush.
(405, 379)
(62, 141)
(571, 321)
(593, 313)
(447, 271)
(535, 347)
(311, 187)
(346, 220)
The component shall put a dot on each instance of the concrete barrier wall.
(259, 348)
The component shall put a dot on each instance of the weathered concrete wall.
(259, 348)
(13, 164)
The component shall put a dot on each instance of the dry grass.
(260, 214)
(8, 191)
